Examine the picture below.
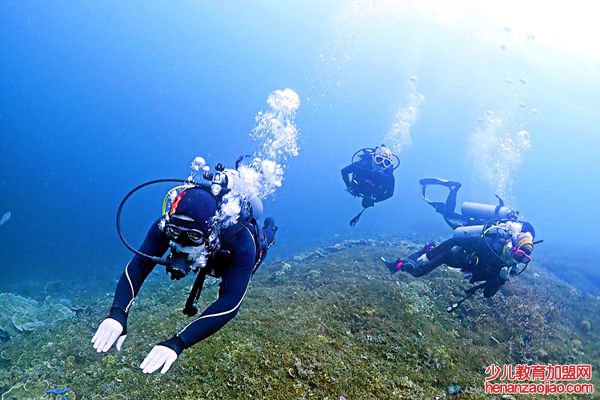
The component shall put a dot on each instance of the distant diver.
(370, 175)
(195, 240)
(490, 243)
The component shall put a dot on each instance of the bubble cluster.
(277, 137)
(259, 175)
(524, 140)
(197, 168)
(399, 135)
(284, 101)
(497, 151)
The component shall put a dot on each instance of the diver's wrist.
(119, 315)
(175, 343)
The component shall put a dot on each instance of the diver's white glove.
(504, 274)
(160, 356)
(109, 331)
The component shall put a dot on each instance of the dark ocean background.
(96, 98)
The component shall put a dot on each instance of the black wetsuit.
(235, 270)
(372, 183)
(470, 254)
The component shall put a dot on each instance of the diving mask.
(523, 247)
(382, 160)
(177, 233)
(523, 254)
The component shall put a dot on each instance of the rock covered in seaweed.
(331, 322)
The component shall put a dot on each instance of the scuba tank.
(486, 212)
(481, 212)
(468, 231)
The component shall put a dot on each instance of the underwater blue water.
(96, 98)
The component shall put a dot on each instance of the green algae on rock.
(334, 322)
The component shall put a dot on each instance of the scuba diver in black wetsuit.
(190, 229)
(490, 243)
(370, 175)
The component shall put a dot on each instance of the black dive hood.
(178, 263)
(217, 183)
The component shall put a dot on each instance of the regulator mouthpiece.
(179, 264)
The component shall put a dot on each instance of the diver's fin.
(438, 205)
(392, 266)
(406, 265)
(500, 200)
(354, 220)
(468, 294)
(439, 181)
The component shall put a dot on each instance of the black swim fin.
(392, 266)
(354, 220)
(406, 265)
(439, 181)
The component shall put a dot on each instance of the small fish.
(5, 217)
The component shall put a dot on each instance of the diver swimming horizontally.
(197, 240)
(370, 175)
(490, 243)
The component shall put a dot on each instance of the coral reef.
(326, 324)
(19, 314)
